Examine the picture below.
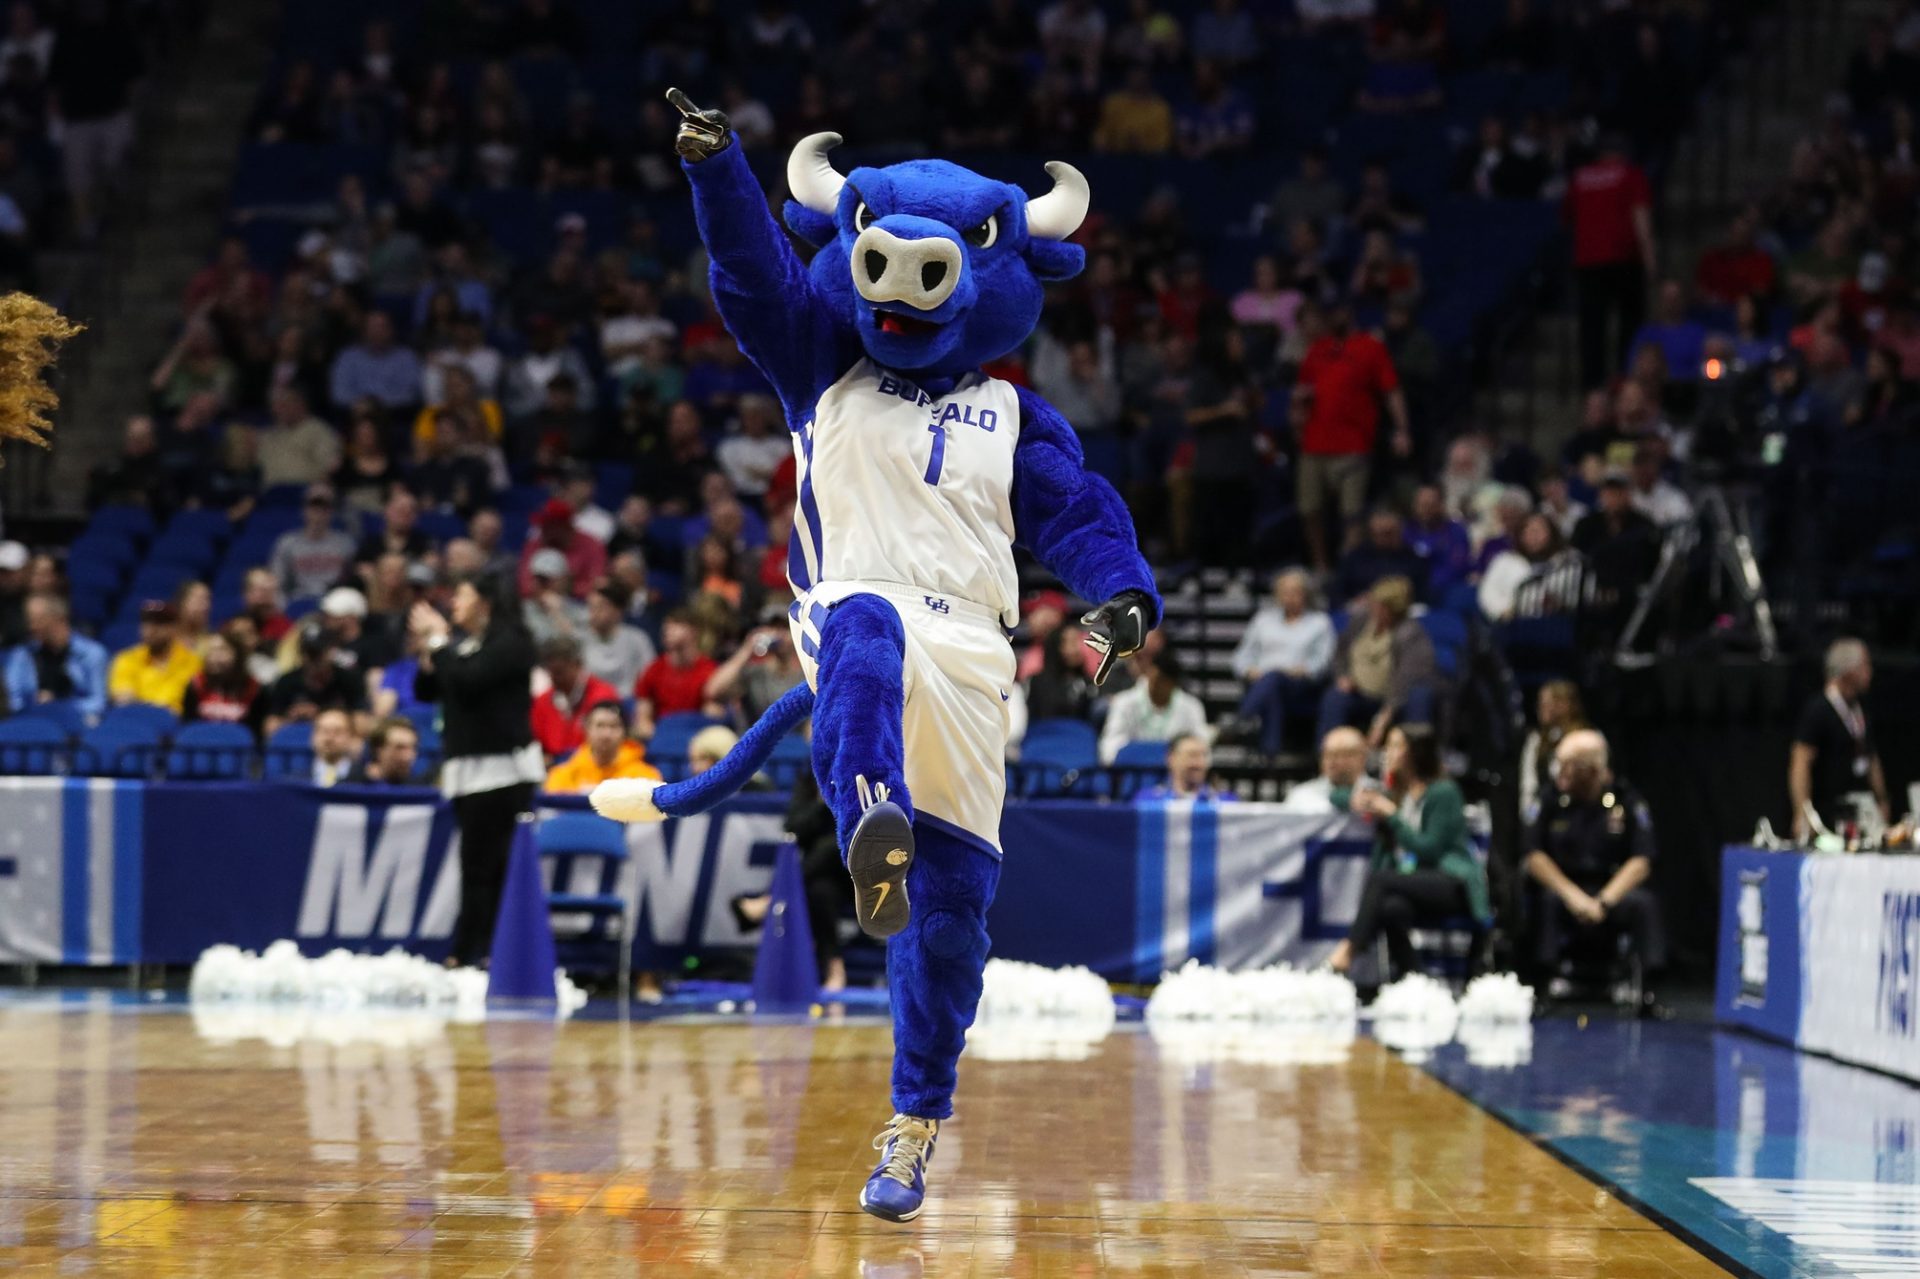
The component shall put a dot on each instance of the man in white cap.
(360, 648)
(551, 609)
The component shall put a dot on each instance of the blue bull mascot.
(918, 475)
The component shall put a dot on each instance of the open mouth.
(906, 325)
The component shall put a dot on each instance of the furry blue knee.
(954, 937)
(857, 713)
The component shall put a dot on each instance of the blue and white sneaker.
(897, 1190)
(878, 857)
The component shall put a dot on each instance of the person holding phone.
(1423, 865)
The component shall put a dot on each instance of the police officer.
(1592, 853)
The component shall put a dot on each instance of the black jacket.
(484, 686)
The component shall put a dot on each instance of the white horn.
(814, 182)
(1059, 213)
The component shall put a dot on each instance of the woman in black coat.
(479, 666)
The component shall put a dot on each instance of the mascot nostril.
(917, 473)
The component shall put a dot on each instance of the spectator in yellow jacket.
(608, 753)
(158, 669)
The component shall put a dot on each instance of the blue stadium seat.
(141, 717)
(208, 751)
(122, 750)
(194, 552)
(1136, 765)
(201, 521)
(290, 750)
(116, 549)
(1057, 766)
(568, 835)
(32, 746)
(119, 635)
(441, 526)
(86, 573)
(91, 604)
(791, 755)
(64, 715)
(135, 522)
(158, 581)
(671, 736)
(1076, 732)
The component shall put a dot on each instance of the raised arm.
(1074, 522)
(760, 285)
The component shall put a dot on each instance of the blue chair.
(441, 526)
(565, 836)
(210, 752)
(142, 717)
(792, 755)
(64, 715)
(134, 522)
(1057, 766)
(1135, 765)
(158, 581)
(95, 574)
(290, 751)
(299, 608)
(91, 606)
(672, 734)
(1075, 732)
(115, 549)
(32, 746)
(430, 749)
(200, 522)
(195, 554)
(117, 750)
(120, 635)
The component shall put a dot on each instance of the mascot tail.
(639, 799)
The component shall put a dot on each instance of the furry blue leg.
(934, 968)
(857, 713)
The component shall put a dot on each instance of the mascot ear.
(814, 227)
(1054, 260)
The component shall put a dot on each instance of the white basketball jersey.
(900, 487)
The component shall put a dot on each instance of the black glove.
(703, 134)
(1117, 629)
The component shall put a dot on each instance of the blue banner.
(102, 872)
(1757, 979)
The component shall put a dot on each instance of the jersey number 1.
(939, 453)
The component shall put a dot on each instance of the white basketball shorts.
(958, 673)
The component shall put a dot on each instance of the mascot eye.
(985, 234)
(862, 217)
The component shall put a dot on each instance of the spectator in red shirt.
(1347, 373)
(676, 680)
(230, 284)
(1737, 267)
(1609, 206)
(560, 714)
(586, 555)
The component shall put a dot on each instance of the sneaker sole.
(879, 871)
(897, 1218)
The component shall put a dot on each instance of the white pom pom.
(1031, 1013)
(627, 799)
(283, 997)
(1414, 1015)
(1281, 994)
(1497, 997)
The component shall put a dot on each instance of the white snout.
(627, 799)
(921, 273)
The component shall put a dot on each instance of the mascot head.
(936, 268)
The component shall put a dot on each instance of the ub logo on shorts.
(937, 604)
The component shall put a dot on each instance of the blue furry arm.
(761, 287)
(1072, 520)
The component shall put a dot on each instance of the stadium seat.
(792, 754)
(191, 551)
(141, 717)
(671, 736)
(1136, 765)
(1074, 731)
(207, 752)
(132, 522)
(289, 752)
(566, 836)
(116, 549)
(32, 746)
(65, 715)
(1057, 766)
(157, 581)
(120, 635)
(117, 750)
(200, 522)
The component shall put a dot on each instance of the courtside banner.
(1757, 976)
(1861, 970)
(103, 872)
